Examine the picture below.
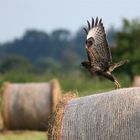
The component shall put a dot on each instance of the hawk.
(98, 53)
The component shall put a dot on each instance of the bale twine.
(114, 115)
(29, 105)
(136, 81)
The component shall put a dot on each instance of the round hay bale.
(114, 115)
(136, 81)
(29, 105)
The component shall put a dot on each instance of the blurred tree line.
(39, 51)
(61, 51)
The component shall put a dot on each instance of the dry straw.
(56, 121)
(28, 105)
(113, 115)
(136, 81)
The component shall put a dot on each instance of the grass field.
(23, 135)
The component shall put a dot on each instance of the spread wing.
(98, 50)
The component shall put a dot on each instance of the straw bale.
(29, 105)
(136, 81)
(113, 115)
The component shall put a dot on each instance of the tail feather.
(118, 64)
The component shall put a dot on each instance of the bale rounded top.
(106, 116)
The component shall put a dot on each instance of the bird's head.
(86, 65)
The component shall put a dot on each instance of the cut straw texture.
(113, 115)
(54, 132)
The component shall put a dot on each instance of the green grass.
(23, 135)
(91, 85)
(83, 84)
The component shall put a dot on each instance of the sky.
(17, 16)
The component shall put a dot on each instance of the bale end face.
(56, 93)
(54, 131)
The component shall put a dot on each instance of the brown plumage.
(98, 53)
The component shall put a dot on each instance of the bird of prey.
(98, 53)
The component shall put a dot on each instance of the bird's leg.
(110, 76)
(117, 84)
(115, 80)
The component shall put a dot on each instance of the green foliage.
(128, 46)
(49, 65)
(59, 46)
(15, 63)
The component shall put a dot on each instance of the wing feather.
(97, 32)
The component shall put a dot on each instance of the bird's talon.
(117, 84)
